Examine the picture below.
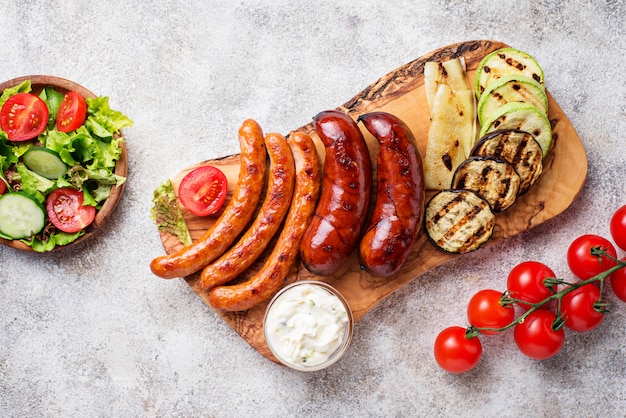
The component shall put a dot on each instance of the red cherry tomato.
(3, 186)
(618, 227)
(535, 337)
(203, 190)
(66, 210)
(484, 310)
(456, 353)
(23, 116)
(618, 282)
(577, 306)
(72, 112)
(582, 263)
(525, 282)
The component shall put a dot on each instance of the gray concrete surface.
(93, 333)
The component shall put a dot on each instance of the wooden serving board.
(401, 93)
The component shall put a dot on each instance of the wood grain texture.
(38, 82)
(401, 93)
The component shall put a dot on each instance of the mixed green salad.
(53, 183)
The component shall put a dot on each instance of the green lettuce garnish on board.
(167, 215)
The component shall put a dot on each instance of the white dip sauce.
(306, 324)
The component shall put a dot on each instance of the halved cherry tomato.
(66, 210)
(456, 353)
(586, 265)
(72, 112)
(203, 190)
(578, 308)
(484, 310)
(23, 116)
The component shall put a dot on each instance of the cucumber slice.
(511, 88)
(523, 117)
(45, 162)
(21, 216)
(503, 62)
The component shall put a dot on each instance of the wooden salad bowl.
(401, 92)
(39, 82)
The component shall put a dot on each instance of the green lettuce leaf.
(34, 184)
(167, 215)
(104, 117)
(23, 87)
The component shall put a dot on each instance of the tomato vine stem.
(600, 306)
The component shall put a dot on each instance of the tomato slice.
(66, 210)
(203, 190)
(23, 116)
(72, 112)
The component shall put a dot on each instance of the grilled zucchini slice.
(511, 88)
(494, 180)
(524, 117)
(458, 221)
(503, 62)
(519, 148)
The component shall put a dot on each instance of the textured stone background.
(94, 333)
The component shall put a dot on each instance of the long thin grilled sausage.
(269, 218)
(342, 210)
(399, 208)
(235, 216)
(272, 275)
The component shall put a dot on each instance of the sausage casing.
(270, 216)
(268, 280)
(399, 208)
(341, 213)
(236, 215)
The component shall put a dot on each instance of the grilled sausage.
(235, 216)
(345, 196)
(399, 207)
(271, 214)
(272, 275)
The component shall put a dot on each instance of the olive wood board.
(401, 93)
(38, 83)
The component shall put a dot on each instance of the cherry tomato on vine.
(585, 265)
(618, 227)
(23, 116)
(525, 282)
(72, 112)
(66, 210)
(484, 310)
(577, 306)
(204, 190)
(456, 353)
(618, 282)
(535, 336)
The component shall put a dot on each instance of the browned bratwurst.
(399, 207)
(341, 213)
(272, 275)
(280, 187)
(235, 216)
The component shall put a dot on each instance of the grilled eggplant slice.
(494, 180)
(503, 62)
(524, 117)
(511, 88)
(519, 148)
(458, 221)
